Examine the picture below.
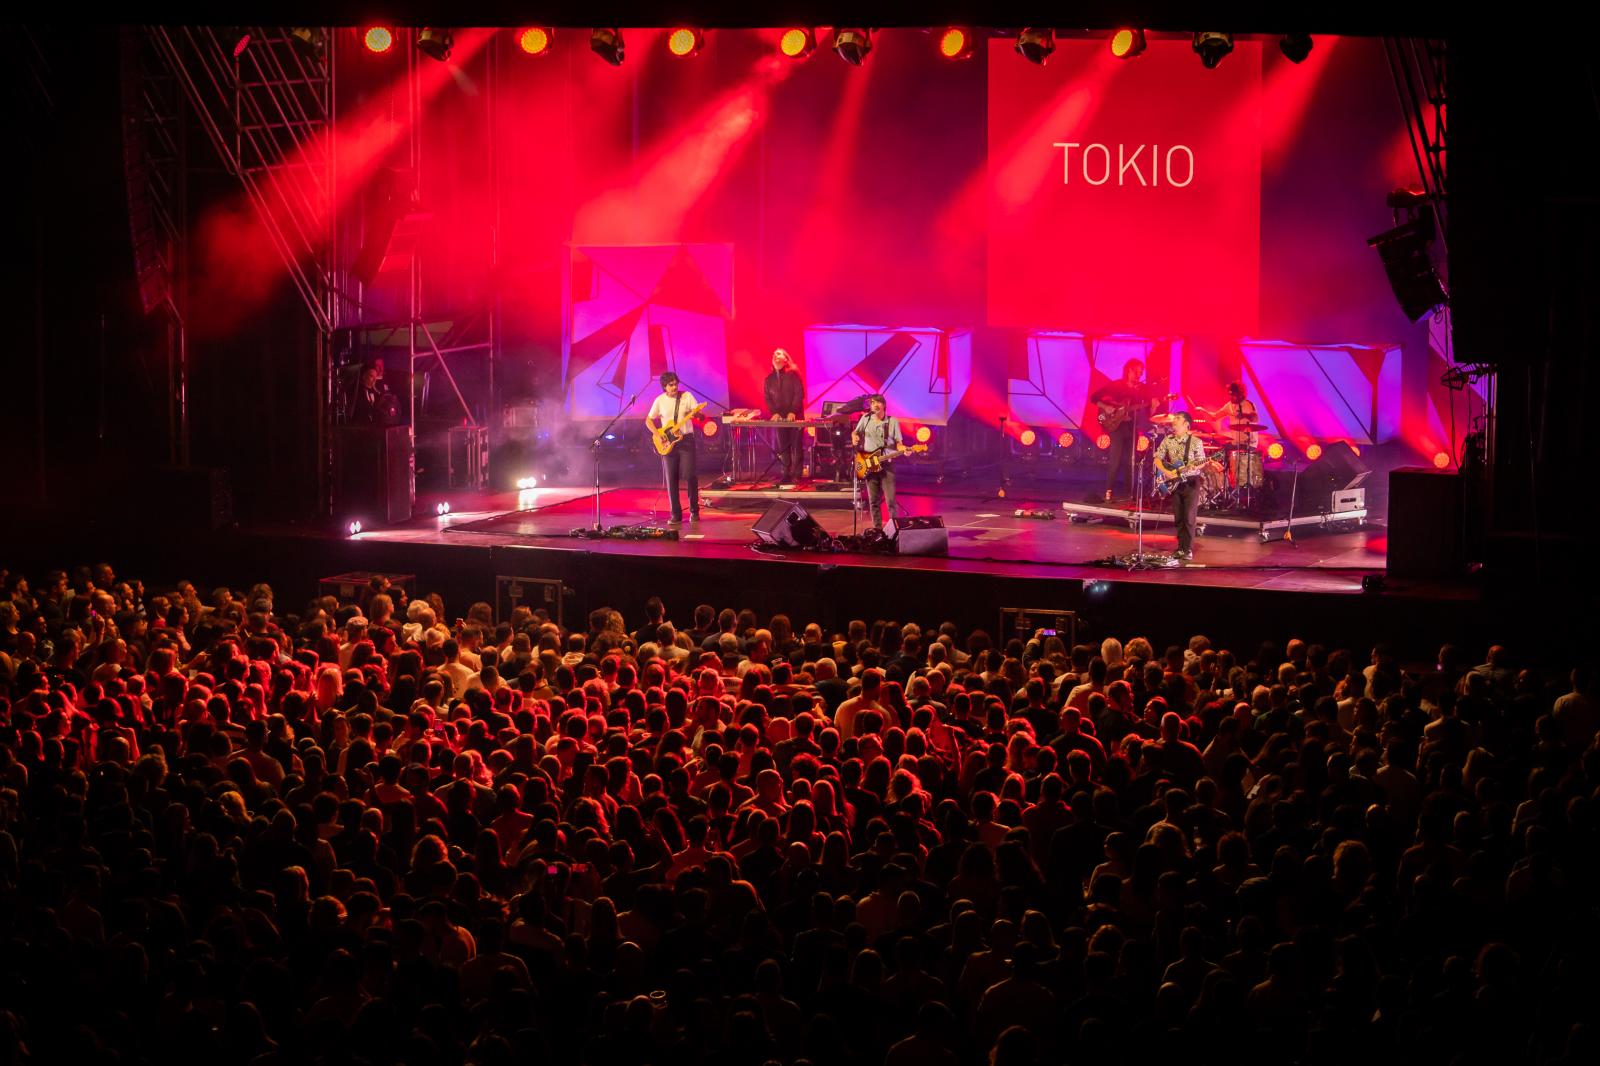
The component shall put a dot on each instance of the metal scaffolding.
(264, 97)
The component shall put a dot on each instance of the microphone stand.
(598, 530)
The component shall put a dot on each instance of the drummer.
(1244, 456)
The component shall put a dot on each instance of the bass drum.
(1245, 468)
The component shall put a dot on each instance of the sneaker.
(1108, 496)
(675, 520)
(694, 516)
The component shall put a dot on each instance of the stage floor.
(985, 537)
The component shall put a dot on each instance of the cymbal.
(1245, 427)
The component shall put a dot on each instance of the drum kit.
(1232, 478)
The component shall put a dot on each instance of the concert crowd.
(239, 829)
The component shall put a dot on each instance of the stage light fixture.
(1441, 460)
(435, 42)
(709, 427)
(1027, 438)
(536, 40)
(1066, 440)
(607, 44)
(797, 43)
(235, 38)
(1144, 443)
(312, 40)
(1295, 46)
(1125, 44)
(1275, 450)
(685, 41)
(852, 44)
(527, 482)
(442, 508)
(354, 527)
(1212, 48)
(924, 434)
(1035, 44)
(378, 39)
(1103, 442)
(956, 43)
(1313, 452)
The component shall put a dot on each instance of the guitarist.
(1127, 397)
(878, 434)
(680, 462)
(1180, 456)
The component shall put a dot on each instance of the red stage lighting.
(536, 40)
(1066, 440)
(1314, 452)
(955, 43)
(1275, 450)
(1144, 443)
(709, 427)
(1027, 438)
(1441, 460)
(924, 434)
(1125, 44)
(797, 43)
(1103, 441)
(811, 431)
(378, 39)
(684, 42)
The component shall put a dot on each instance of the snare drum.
(1212, 478)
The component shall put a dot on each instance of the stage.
(986, 537)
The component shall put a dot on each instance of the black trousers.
(787, 444)
(1121, 447)
(1185, 509)
(679, 466)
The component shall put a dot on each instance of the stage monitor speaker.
(788, 525)
(375, 476)
(1425, 523)
(919, 536)
(1338, 468)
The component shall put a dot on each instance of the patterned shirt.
(1173, 453)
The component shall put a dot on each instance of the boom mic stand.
(598, 530)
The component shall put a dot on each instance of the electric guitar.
(872, 462)
(669, 434)
(1166, 483)
(1113, 415)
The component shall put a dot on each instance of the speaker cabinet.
(788, 525)
(919, 536)
(375, 477)
(1425, 523)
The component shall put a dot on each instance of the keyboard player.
(785, 395)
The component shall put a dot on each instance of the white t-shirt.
(668, 409)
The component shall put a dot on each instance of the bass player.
(679, 463)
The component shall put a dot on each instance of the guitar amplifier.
(919, 536)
